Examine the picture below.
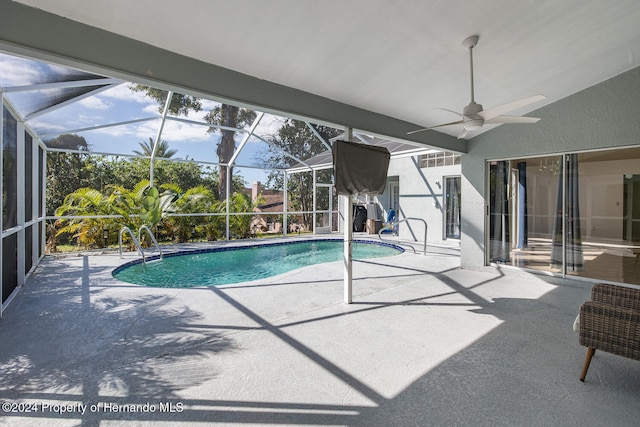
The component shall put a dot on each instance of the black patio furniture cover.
(360, 168)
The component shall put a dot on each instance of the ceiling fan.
(473, 116)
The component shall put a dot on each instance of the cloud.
(142, 130)
(123, 93)
(208, 105)
(41, 127)
(151, 108)
(94, 103)
(172, 132)
(17, 71)
(183, 132)
(269, 125)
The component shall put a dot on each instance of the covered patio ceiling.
(380, 67)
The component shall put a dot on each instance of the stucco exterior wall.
(421, 196)
(606, 115)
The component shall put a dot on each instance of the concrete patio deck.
(424, 343)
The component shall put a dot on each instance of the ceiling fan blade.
(462, 133)
(459, 122)
(418, 130)
(504, 108)
(451, 111)
(512, 119)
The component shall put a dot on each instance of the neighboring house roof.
(272, 202)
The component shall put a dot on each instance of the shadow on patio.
(426, 343)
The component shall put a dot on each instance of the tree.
(69, 142)
(227, 116)
(195, 200)
(128, 172)
(153, 205)
(240, 225)
(180, 104)
(297, 139)
(148, 205)
(162, 150)
(85, 201)
(67, 172)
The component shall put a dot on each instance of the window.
(452, 197)
(440, 158)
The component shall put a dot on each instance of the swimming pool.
(228, 265)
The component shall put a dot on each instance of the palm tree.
(194, 200)
(85, 202)
(142, 205)
(161, 151)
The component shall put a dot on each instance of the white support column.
(35, 205)
(1, 190)
(285, 206)
(347, 215)
(228, 202)
(43, 198)
(20, 208)
(565, 218)
(313, 222)
(330, 209)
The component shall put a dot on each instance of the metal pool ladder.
(395, 224)
(136, 241)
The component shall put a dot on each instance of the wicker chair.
(610, 322)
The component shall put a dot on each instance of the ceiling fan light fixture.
(474, 124)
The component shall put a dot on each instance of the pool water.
(222, 266)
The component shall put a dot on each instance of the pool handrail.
(390, 226)
(135, 241)
(153, 239)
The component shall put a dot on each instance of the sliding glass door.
(610, 211)
(522, 211)
(576, 214)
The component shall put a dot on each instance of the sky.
(119, 104)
